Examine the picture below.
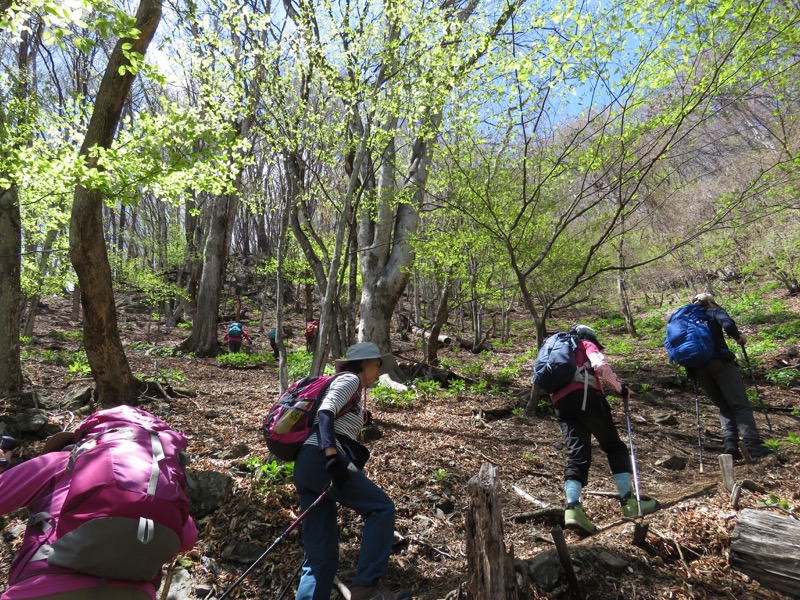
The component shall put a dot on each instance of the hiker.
(43, 485)
(310, 334)
(582, 411)
(722, 382)
(234, 336)
(273, 343)
(332, 454)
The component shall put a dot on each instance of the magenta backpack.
(291, 419)
(125, 512)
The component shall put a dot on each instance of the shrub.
(240, 360)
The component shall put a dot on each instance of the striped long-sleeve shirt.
(343, 388)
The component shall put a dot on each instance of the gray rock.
(545, 569)
(237, 451)
(673, 463)
(242, 552)
(612, 561)
(31, 420)
(665, 419)
(180, 588)
(77, 398)
(208, 492)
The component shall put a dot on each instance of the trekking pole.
(278, 540)
(699, 425)
(633, 456)
(755, 385)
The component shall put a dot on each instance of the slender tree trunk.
(438, 323)
(203, 340)
(624, 301)
(87, 248)
(10, 247)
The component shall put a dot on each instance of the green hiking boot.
(630, 510)
(575, 518)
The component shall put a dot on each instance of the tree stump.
(766, 547)
(490, 567)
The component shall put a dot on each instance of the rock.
(212, 414)
(612, 561)
(208, 492)
(76, 398)
(202, 590)
(237, 451)
(665, 419)
(180, 588)
(544, 569)
(31, 420)
(674, 463)
(242, 552)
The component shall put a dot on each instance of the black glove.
(337, 469)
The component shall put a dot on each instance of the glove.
(337, 469)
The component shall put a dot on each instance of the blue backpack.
(235, 330)
(555, 364)
(689, 341)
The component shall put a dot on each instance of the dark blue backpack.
(689, 341)
(555, 364)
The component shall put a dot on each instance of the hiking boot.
(759, 452)
(732, 448)
(575, 518)
(630, 509)
(377, 591)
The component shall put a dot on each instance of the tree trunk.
(766, 547)
(203, 340)
(490, 567)
(10, 248)
(87, 248)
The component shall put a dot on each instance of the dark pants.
(234, 345)
(578, 427)
(722, 382)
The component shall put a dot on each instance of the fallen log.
(766, 547)
(443, 339)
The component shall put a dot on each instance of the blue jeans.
(321, 532)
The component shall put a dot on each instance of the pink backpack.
(125, 512)
(289, 422)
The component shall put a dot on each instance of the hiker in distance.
(71, 549)
(722, 382)
(235, 335)
(582, 411)
(332, 454)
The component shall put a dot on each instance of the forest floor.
(427, 453)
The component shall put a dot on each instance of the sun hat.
(58, 441)
(587, 333)
(366, 351)
(702, 298)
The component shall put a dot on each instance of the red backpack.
(125, 513)
(289, 422)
